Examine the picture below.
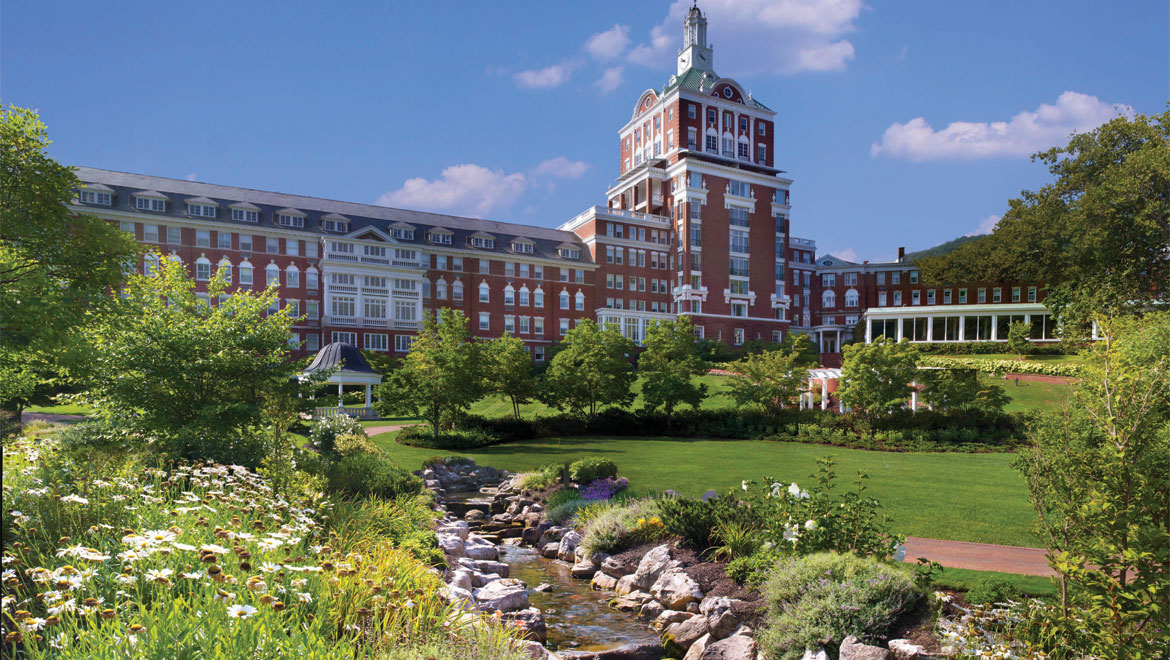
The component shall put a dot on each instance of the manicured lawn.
(59, 410)
(962, 579)
(964, 497)
(1031, 395)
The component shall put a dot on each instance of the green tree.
(1097, 235)
(208, 381)
(56, 266)
(440, 377)
(876, 377)
(510, 372)
(1099, 478)
(669, 366)
(771, 380)
(948, 389)
(1017, 339)
(592, 369)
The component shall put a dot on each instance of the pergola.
(824, 376)
(346, 366)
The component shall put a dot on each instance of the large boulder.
(506, 595)
(476, 547)
(551, 535)
(853, 649)
(615, 567)
(530, 623)
(462, 578)
(643, 651)
(451, 545)
(650, 610)
(736, 647)
(456, 528)
(549, 550)
(818, 654)
(488, 566)
(631, 601)
(603, 582)
(700, 645)
(675, 589)
(686, 632)
(458, 597)
(567, 551)
(667, 617)
(904, 649)
(625, 585)
(653, 564)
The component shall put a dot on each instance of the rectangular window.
(881, 278)
(244, 215)
(150, 233)
(510, 325)
(962, 296)
(484, 321)
(739, 241)
(761, 153)
(914, 277)
(738, 217)
(245, 275)
(895, 278)
(897, 299)
(344, 306)
(996, 295)
(150, 204)
(402, 234)
(312, 310)
(930, 297)
(245, 242)
(223, 240)
(289, 220)
(1031, 294)
(538, 326)
(564, 327)
(174, 236)
(202, 271)
(1015, 294)
(739, 188)
(375, 341)
(946, 296)
(312, 342)
(915, 297)
(345, 337)
(311, 279)
(981, 295)
(292, 278)
(403, 343)
(201, 210)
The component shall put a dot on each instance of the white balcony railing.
(341, 256)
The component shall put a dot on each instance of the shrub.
(96, 435)
(695, 520)
(562, 512)
(588, 470)
(989, 590)
(455, 439)
(1000, 367)
(822, 598)
(544, 477)
(751, 570)
(621, 526)
(371, 475)
(603, 489)
(324, 432)
(561, 496)
(350, 444)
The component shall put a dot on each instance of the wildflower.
(744, 484)
(76, 499)
(796, 492)
(31, 624)
(160, 576)
(269, 567)
(108, 614)
(213, 549)
(240, 611)
(304, 597)
(136, 629)
(810, 525)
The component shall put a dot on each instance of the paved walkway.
(54, 418)
(979, 556)
(375, 430)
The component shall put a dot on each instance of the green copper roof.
(692, 80)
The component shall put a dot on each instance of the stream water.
(577, 617)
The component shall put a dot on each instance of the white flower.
(77, 499)
(305, 597)
(810, 525)
(269, 567)
(791, 533)
(184, 546)
(32, 623)
(269, 543)
(240, 611)
(215, 549)
(744, 485)
(776, 488)
(795, 491)
(158, 575)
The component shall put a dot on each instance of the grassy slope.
(962, 579)
(965, 497)
(1031, 395)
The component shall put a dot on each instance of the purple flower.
(603, 489)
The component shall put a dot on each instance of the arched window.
(311, 279)
(225, 267)
(828, 299)
(538, 298)
(246, 272)
(202, 269)
(851, 298)
(484, 292)
(579, 301)
(441, 288)
(292, 276)
(174, 258)
(272, 273)
(524, 298)
(509, 295)
(457, 290)
(564, 299)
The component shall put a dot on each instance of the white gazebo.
(823, 376)
(346, 366)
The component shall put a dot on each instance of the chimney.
(901, 254)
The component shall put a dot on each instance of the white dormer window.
(201, 210)
(483, 242)
(335, 223)
(439, 237)
(526, 248)
(150, 204)
(402, 234)
(290, 220)
(245, 215)
(569, 253)
(96, 197)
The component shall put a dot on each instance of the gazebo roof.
(340, 354)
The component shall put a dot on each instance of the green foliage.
(207, 381)
(440, 377)
(591, 370)
(822, 598)
(563, 512)
(752, 570)
(620, 526)
(715, 352)
(1096, 235)
(733, 539)
(325, 431)
(587, 470)
(991, 590)
(948, 389)
(940, 249)
(1018, 338)
(696, 520)
(876, 377)
(1000, 367)
(771, 380)
(510, 372)
(56, 266)
(351, 444)
(543, 477)
(365, 474)
(1099, 478)
(453, 440)
(669, 365)
(561, 496)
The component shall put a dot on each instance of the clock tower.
(695, 53)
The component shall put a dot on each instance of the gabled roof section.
(439, 230)
(336, 217)
(365, 232)
(201, 200)
(98, 187)
(154, 194)
(291, 211)
(403, 225)
(830, 261)
(694, 80)
(244, 206)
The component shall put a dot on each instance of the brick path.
(375, 430)
(979, 556)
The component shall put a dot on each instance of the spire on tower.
(695, 52)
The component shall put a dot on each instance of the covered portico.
(345, 365)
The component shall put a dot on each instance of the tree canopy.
(773, 379)
(592, 369)
(876, 377)
(1098, 236)
(669, 366)
(510, 372)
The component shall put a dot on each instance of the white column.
(994, 326)
(962, 327)
(914, 396)
(369, 389)
(899, 337)
(824, 394)
(340, 399)
(929, 328)
(868, 330)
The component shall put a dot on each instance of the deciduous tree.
(948, 389)
(771, 380)
(876, 377)
(1017, 339)
(670, 365)
(510, 371)
(440, 377)
(591, 370)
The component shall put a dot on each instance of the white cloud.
(470, 189)
(848, 254)
(191, 176)
(1025, 134)
(986, 225)
(549, 76)
(608, 44)
(561, 168)
(610, 80)
(762, 36)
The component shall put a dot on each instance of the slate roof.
(360, 216)
(340, 354)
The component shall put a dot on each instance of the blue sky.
(887, 111)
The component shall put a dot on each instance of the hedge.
(992, 347)
(1000, 367)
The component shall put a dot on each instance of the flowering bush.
(208, 561)
(603, 489)
(1023, 630)
(613, 527)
